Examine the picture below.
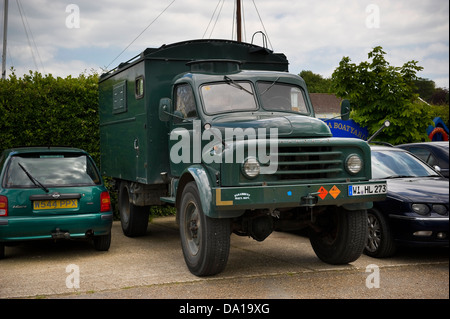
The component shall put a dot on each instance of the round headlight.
(354, 164)
(251, 167)
(420, 209)
(440, 209)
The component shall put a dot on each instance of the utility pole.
(238, 21)
(5, 32)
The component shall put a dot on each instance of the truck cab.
(227, 136)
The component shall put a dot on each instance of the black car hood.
(419, 189)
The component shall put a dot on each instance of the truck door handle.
(136, 144)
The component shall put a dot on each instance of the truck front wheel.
(205, 241)
(341, 235)
(134, 219)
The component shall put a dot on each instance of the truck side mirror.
(165, 109)
(345, 110)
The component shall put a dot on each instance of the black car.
(433, 153)
(415, 211)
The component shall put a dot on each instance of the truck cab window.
(232, 96)
(185, 101)
(282, 97)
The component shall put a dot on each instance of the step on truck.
(223, 132)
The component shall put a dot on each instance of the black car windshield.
(277, 96)
(228, 96)
(51, 171)
(393, 164)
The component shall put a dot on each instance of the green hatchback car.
(52, 193)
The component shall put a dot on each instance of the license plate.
(367, 189)
(55, 204)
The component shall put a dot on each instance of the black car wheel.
(103, 242)
(380, 242)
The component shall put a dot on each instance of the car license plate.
(367, 189)
(55, 204)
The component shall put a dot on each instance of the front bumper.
(237, 199)
(420, 231)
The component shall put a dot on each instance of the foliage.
(316, 83)
(39, 110)
(379, 91)
(428, 91)
(43, 110)
(441, 111)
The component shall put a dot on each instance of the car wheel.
(134, 219)
(2, 251)
(205, 241)
(103, 242)
(340, 236)
(380, 242)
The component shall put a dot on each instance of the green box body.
(136, 145)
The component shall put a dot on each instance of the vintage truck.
(220, 130)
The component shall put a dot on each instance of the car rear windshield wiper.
(34, 180)
(230, 81)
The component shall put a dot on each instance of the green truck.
(223, 132)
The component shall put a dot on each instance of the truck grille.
(308, 163)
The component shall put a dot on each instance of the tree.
(315, 82)
(378, 91)
(425, 88)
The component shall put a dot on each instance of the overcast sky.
(75, 36)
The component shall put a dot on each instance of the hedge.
(41, 110)
(38, 110)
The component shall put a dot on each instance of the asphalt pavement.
(283, 266)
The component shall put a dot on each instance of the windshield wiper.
(34, 180)
(399, 176)
(230, 81)
(270, 86)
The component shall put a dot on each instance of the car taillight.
(105, 202)
(3, 206)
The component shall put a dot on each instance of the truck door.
(181, 137)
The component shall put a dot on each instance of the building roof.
(325, 103)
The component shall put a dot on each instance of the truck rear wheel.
(205, 241)
(342, 236)
(134, 219)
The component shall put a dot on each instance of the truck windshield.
(282, 97)
(228, 96)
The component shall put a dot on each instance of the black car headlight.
(440, 209)
(420, 209)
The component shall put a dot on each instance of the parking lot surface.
(284, 266)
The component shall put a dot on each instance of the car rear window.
(51, 170)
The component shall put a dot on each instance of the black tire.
(103, 242)
(134, 219)
(380, 242)
(205, 241)
(2, 251)
(342, 236)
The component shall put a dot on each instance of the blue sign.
(349, 128)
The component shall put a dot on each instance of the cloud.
(314, 35)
